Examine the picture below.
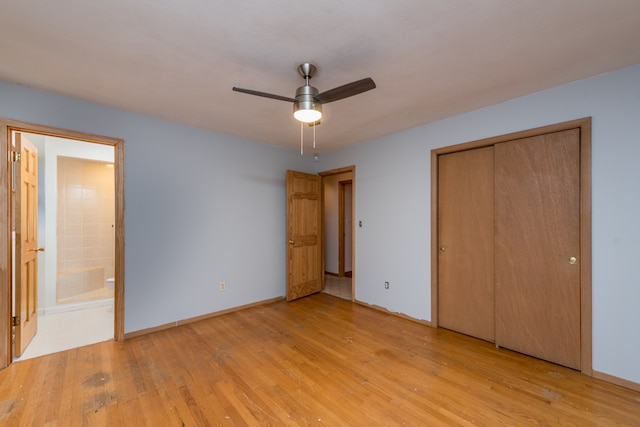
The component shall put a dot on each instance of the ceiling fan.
(307, 104)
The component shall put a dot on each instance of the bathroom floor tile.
(63, 331)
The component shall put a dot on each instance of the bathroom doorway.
(89, 254)
(76, 237)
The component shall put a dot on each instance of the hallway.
(340, 287)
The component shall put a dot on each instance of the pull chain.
(301, 140)
(302, 137)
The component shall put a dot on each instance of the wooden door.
(26, 270)
(465, 243)
(537, 246)
(304, 256)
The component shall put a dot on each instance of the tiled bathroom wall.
(85, 226)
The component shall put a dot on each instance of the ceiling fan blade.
(263, 94)
(346, 91)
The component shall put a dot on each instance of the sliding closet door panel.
(465, 259)
(537, 246)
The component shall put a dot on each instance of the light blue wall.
(200, 208)
(393, 198)
(203, 207)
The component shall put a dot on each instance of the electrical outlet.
(223, 286)
(386, 285)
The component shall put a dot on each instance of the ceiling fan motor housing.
(306, 96)
(305, 99)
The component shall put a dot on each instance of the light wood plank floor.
(319, 361)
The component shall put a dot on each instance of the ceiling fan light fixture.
(307, 112)
(305, 108)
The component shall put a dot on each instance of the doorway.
(338, 214)
(511, 233)
(75, 232)
(88, 272)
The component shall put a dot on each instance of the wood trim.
(340, 229)
(182, 322)
(338, 171)
(353, 233)
(616, 380)
(584, 125)
(586, 304)
(5, 250)
(118, 297)
(323, 228)
(59, 132)
(6, 126)
(434, 238)
(341, 249)
(393, 313)
(573, 124)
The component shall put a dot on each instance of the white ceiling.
(179, 59)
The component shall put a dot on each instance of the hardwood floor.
(320, 360)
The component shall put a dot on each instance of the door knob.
(290, 242)
(573, 260)
(37, 250)
(441, 249)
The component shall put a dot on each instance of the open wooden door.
(26, 267)
(304, 256)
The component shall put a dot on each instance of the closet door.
(465, 237)
(537, 246)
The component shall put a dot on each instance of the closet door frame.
(584, 125)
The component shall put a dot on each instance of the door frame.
(6, 127)
(341, 239)
(584, 125)
(338, 171)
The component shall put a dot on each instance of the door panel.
(465, 228)
(537, 226)
(304, 258)
(26, 217)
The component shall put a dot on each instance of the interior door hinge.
(15, 156)
(15, 321)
